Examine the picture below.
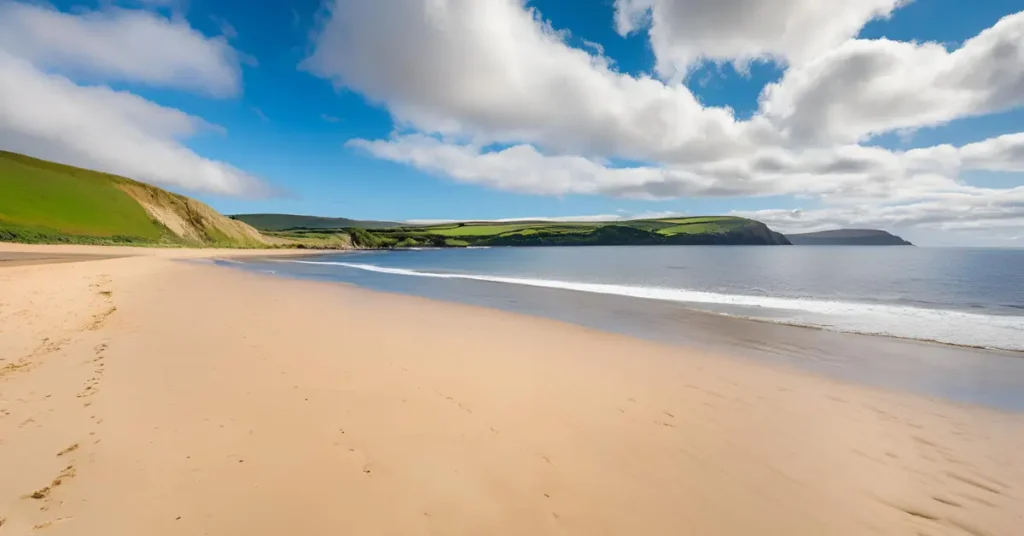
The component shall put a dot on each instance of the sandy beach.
(145, 394)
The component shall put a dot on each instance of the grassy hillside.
(46, 202)
(284, 222)
(678, 231)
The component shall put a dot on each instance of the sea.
(943, 322)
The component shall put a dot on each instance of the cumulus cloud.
(1003, 153)
(121, 45)
(522, 168)
(49, 116)
(683, 32)
(493, 71)
(866, 87)
(849, 173)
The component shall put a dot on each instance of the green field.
(702, 225)
(53, 199)
(703, 230)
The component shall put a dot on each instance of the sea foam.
(938, 325)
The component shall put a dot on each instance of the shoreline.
(199, 399)
(1010, 352)
(1002, 333)
(958, 373)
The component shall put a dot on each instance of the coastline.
(887, 306)
(200, 399)
(957, 373)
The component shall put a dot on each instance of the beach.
(156, 393)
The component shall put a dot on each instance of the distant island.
(50, 203)
(847, 237)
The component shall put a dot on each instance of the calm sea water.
(899, 296)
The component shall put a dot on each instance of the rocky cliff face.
(191, 220)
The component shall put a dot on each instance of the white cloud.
(683, 32)
(853, 173)
(1003, 153)
(866, 87)
(492, 71)
(49, 116)
(121, 45)
(524, 169)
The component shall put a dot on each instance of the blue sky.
(286, 104)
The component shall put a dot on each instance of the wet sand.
(27, 258)
(140, 395)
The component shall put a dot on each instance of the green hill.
(705, 230)
(46, 202)
(284, 222)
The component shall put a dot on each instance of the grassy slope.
(46, 202)
(705, 225)
(50, 200)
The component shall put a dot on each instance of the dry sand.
(147, 396)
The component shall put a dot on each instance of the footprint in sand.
(992, 485)
(99, 318)
(46, 524)
(68, 450)
(44, 492)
